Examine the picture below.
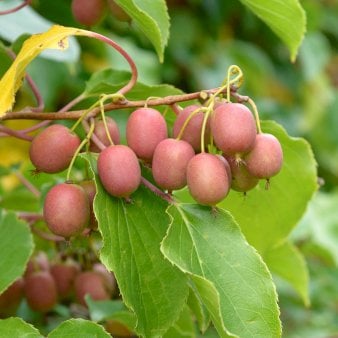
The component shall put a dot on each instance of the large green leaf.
(287, 262)
(266, 217)
(17, 328)
(79, 328)
(286, 18)
(110, 81)
(230, 276)
(16, 246)
(151, 286)
(151, 17)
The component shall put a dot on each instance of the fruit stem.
(204, 125)
(94, 138)
(149, 99)
(27, 184)
(156, 190)
(15, 9)
(191, 115)
(255, 110)
(85, 140)
(5, 131)
(105, 122)
(176, 108)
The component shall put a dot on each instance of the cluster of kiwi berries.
(238, 158)
(46, 284)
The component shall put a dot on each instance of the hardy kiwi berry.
(100, 132)
(11, 298)
(233, 128)
(90, 189)
(170, 162)
(92, 283)
(40, 291)
(52, 150)
(193, 130)
(66, 209)
(119, 170)
(266, 158)
(146, 128)
(207, 179)
(88, 12)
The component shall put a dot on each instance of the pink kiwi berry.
(10, 299)
(66, 209)
(146, 128)
(233, 128)
(242, 180)
(52, 150)
(119, 170)
(88, 12)
(90, 189)
(266, 157)
(170, 161)
(100, 132)
(40, 291)
(193, 130)
(207, 179)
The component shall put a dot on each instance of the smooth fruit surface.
(233, 128)
(100, 132)
(192, 131)
(90, 189)
(207, 179)
(119, 170)
(170, 163)
(11, 298)
(52, 150)
(266, 158)
(66, 209)
(40, 291)
(146, 128)
(92, 283)
(88, 12)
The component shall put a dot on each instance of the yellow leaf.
(55, 38)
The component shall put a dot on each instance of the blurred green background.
(207, 36)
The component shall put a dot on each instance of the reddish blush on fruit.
(66, 209)
(170, 161)
(52, 150)
(88, 12)
(146, 128)
(207, 179)
(101, 134)
(119, 170)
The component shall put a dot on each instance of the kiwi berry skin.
(170, 161)
(11, 298)
(66, 209)
(233, 128)
(40, 291)
(207, 179)
(266, 157)
(51, 151)
(88, 12)
(193, 130)
(92, 283)
(90, 189)
(146, 128)
(119, 170)
(101, 134)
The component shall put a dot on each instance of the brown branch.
(75, 114)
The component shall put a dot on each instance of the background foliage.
(301, 96)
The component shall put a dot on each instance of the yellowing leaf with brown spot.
(55, 38)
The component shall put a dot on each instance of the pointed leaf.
(286, 18)
(152, 18)
(266, 217)
(287, 262)
(150, 285)
(16, 246)
(79, 328)
(17, 328)
(225, 269)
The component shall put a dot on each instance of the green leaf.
(17, 328)
(229, 275)
(151, 17)
(286, 18)
(266, 217)
(79, 328)
(184, 327)
(198, 308)
(151, 286)
(110, 81)
(16, 246)
(287, 262)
